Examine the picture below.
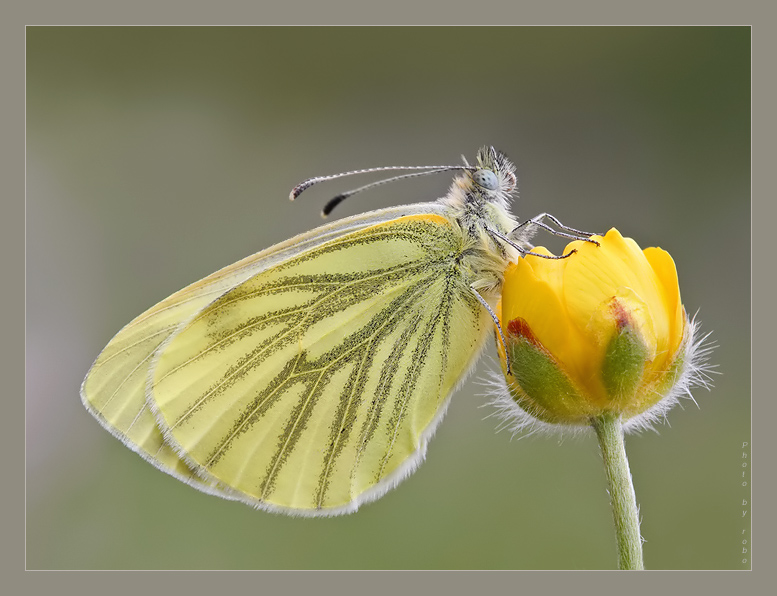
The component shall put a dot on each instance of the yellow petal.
(533, 299)
(551, 271)
(606, 271)
(664, 267)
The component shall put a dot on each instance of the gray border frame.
(89, 12)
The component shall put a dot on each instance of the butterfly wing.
(315, 384)
(114, 390)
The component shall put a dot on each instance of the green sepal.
(657, 388)
(623, 367)
(540, 386)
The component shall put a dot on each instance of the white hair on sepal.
(510, 416)
(695, 373)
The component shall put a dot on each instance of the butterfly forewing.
(314, 384)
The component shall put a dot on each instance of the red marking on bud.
(622, 317)
(520, 328)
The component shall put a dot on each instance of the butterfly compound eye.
(486, 178)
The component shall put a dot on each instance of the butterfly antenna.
(306, 184)
(335, 201)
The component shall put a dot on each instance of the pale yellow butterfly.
(308, 378)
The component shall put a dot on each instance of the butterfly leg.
(525, 252)
(496, 322)
(563, 231)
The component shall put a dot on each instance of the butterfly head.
(494, 171)
(491, 179)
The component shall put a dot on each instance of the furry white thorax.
(477, 210)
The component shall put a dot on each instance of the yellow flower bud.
(602, 331)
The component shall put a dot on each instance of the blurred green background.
(158, 155)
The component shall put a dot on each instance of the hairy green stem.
(609, 430)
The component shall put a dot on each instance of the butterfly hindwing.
(314, 384)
